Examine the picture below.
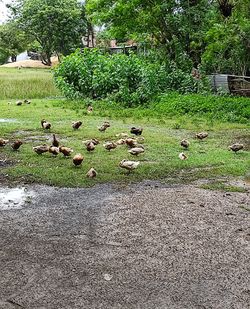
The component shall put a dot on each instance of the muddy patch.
(14, 198)
(6, 163)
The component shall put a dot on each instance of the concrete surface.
(144, 246)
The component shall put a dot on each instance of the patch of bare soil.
(30, 64)
(146, 245)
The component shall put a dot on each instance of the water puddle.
(13, 198)
(8, 120)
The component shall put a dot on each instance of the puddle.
(13, 198)
(8, 120)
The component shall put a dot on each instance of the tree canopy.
(58, 25)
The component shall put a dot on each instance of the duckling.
(27, 101)
(76, 124)
(140, 139)
(182, 156)
(136, 151)
(77, 159)
(41, 149)
(89, 109)
(3, 142)
(236, 147)
(45, 124)
(55, 141)
(185, 143)
(129, 165)
(66, 151)
(90, 146)
(54, 150)
(16, 145)
(202, 135)
(92, 173)
(93, 140)
(109, 145)
(131, 142)
(136, 131)
(19, 103)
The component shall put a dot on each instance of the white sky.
(3, 10)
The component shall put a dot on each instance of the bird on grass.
(122, 135)
(90, 146)
(202, 135)
(55, 141)
(185, 143)
(3, 142)
(109, 145)
(136, 131)
(89, 109)
(76, 124)
(136, 151)
(66, 151)
(104, 126)
(120, 141)
(27, 101)
(77, 159)
(54, 150)
(131, 142)
(92, 173)
(16, 145)
(182, 156)
(19, 103)
(236, 147)
(93, 140)
(41, 149)
(129, 165)
(45, 124)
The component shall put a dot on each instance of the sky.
(3, 11)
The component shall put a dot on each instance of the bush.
(128, 79)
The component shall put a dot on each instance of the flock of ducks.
(133, 143)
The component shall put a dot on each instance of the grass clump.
(223, 186)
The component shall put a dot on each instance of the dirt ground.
(149, 246)
(29, 64)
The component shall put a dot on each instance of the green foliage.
(57, 25)
(118, 77)
(12, 41)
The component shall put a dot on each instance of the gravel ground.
(143, 246)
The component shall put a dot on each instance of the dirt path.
(144, 246)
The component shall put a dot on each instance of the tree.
(12, 40)
(58, 25)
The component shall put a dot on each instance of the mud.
(146, 246)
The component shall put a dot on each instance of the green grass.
(222, 186)
(162, 131)
(26, 83)
(209, 158)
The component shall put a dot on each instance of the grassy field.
(208, 159)
(18, 84)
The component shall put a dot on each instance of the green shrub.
(128, 79)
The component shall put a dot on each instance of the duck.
(27, 101)
(19, 103)
(131, 142)
(140, 139)
(55, 141)
(184, 143)
(202, 135)
(92, 173)
(236, 147)
(77, 159)
(66, 151)
(182, 156)
(89, 109)
(54, 150)
(41, 149)
(45, 124)
(104, 126)
(136, 151)
(109, 145)
(122, 135)
(136, 131)
(120, 141)
(3, 142)
(90, 146)
(129, 165)
(76, 124)
(16, 145)
(93, 140)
